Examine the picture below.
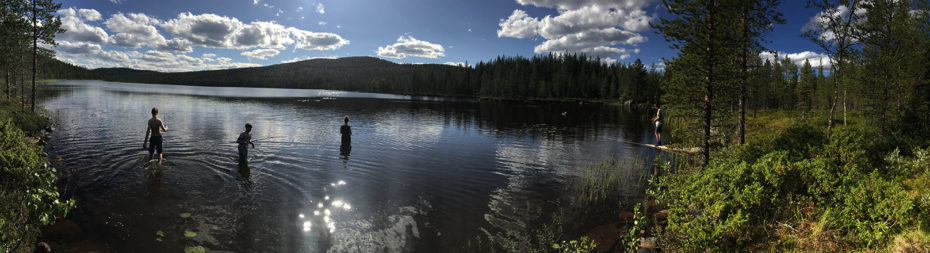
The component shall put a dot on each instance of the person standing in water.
(659, 119)
(245, 138)
(155, 127)
(346, 132)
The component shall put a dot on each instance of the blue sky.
(184, 35)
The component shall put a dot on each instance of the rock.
(43, 247)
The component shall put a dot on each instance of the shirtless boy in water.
(155, 127)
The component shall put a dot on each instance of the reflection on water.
(424, 175)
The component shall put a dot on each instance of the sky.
(190, 35)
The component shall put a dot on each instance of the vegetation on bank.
(29, 198)
(794, 188)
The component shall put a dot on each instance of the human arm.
(253, 144)
(163, 126)
(148, 130)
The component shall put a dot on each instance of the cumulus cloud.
(518, 25)
(410, 46)
(90, 14)
(563, 5)
(86, 45)
(820, 21)
(77, 30)
(320, 9)
(815, 59)
(209, 30)
(317, 41)
(589, 40)
(593, 27)
(216, 31)
(261, 53)
(134, 30)
(297, 59)
(459, 64)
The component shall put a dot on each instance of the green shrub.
(583, 245)
(737, 199)
(28, 197)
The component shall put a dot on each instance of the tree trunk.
(35, 59)
(742, 82)
(22, 87)
(836, 80)
(844, 105)
(708, 81)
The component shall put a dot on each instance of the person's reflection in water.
(346, 147)
(244, 176)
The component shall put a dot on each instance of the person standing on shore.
(155, 127)
(245, 138)
(659, 119)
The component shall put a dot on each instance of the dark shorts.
(155, 144)
(243, 153)
(658, 129)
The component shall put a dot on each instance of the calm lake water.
(423, 175)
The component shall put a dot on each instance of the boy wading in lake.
(346, 132)
(155, 127)
(245, 138)
(659, 120)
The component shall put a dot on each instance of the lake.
(423, 174)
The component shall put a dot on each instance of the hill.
(349, 73)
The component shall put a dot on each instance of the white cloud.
(820, 21)
(209, 30)
(77, 30)
(518, 25)
(563, 5)
(215, 31)
(592, 27)
(410, 46)
(320, 9)
(176, 45)
(90, 14)
(321, 23)
(297, 59)
(317, 41)
(459, 64)
(117, 1)
(815, 59)
(300, 8)
(262, 34)
(589, 40)
(261, 53)
(255, 2)
(134, 31)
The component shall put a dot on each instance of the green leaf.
(189, 234)
(194, 249)
(185, 215)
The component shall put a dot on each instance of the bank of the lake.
(29, 197)
(793, 188)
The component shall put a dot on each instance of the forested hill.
(540, 77)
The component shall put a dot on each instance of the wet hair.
(347, 119)
(248, 126)
(154, 111)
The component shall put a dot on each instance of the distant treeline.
(541, 77)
